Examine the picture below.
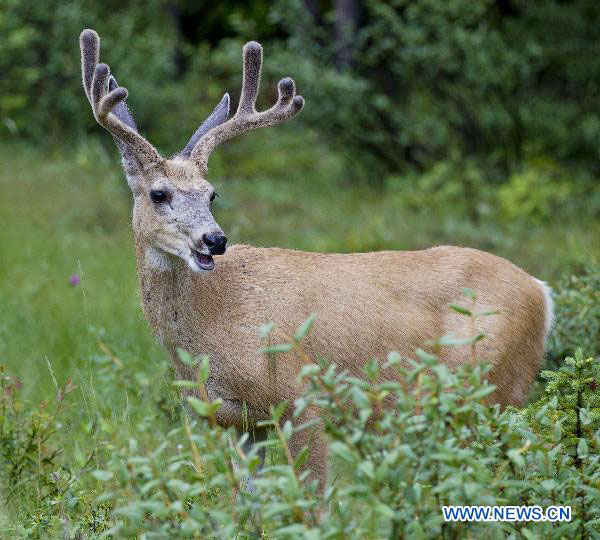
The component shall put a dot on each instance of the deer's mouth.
(204, 261)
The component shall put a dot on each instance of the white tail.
(367, 304)
(549, 316)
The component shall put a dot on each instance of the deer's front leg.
(318, 453)
(233, 412)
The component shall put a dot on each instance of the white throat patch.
(158, 260)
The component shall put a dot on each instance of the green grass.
(63, 216)
(67, 212)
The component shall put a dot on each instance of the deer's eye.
(158, 195)
(212, 197)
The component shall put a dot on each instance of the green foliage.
(577, 314)
(33, 468)
(406, 83)
(542, 190)
(399, 456)
(400, 451)
(573, 390)
(26, 457)
(440, 445)
(50, 483)
(41, 88)
(533, 196)
(416, 82)
(568, 418)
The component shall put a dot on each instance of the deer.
(207, 298)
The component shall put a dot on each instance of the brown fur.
(367, 304)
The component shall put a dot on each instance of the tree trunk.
(347, 13)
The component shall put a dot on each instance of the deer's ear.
(122, 112)
(217, 117)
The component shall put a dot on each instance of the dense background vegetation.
(461, 122)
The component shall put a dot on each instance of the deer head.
(172, 198)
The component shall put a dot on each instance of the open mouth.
(205, 262)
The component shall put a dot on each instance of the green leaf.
(371, 369)
(557, 432)
(529, 535)
(366, 467)
(204, 371)
(582, 448)
(488, 313)
(204, 408)
(470, 293)
(150, 485)
(289, 531)
(549, 484)
(103, 476)
(287, 430)
(305, 327)
(453, 341)
(516, 457)
(309, 370)
(265, 329)
(359, 398)
(584, 416)
(341, 450)
(385, 510)
(186, 357)
(393, 359)
(185, 384)
(460, 309)
(299, 405)
(278, 410)
(483, 391)
(425, 357)
(301, 458)
(281, 348)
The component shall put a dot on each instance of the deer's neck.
(158, 289)
(165, 285)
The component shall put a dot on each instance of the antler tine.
(246, 118)
(95, 77)
(90, 55)
(252, 55)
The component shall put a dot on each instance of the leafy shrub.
(416, 82)
(46, 481)
(41, 96)
(577, 315)
(462, 186)
(534, 194)
(24, 438)
(541, 190)
(406, 83)
(31, 462)
(437, 444)
(400, 451)
(576, 414)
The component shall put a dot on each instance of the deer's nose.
(215, 242)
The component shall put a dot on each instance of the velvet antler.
(246, 117)
(108, 101)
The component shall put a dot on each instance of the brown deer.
(366, 304)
